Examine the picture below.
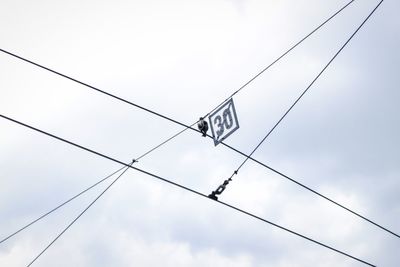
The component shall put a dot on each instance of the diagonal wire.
(280, 57)
(59, 206)
(163, 116)
(311, 84)
(279, 121)
(69, 225)
(314, 191)
(90, 187)
(186, 127)
(264, 165)
(166, 141)
(182, 187)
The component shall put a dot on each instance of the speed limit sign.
(223, 122)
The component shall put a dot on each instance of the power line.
(69, 225)
(313, 191)
(92, 87)
(82, 192)
(59, 206)
(90, 187)
(280, 57)
(130, 166)
(266, 166)
(156, 113)
(311, 84)
(304, 92)
(177, 185)
(190, 127)
(166, 141)
(293, 180)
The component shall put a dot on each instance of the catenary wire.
(280, 57)
(59, 206)
(166, 141)
(87, 189)
(185, 188)
(245, 155)
(309, 86)
(168, 118)
(69, 225)
(280, 120)
(291, 179)
(158, 114)
(221, 203)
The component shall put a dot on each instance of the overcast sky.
(181, 58)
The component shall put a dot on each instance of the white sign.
(223, 122)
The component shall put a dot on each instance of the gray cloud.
(181, 59)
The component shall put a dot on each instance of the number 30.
(226, 122)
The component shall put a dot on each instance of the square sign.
(223, 122)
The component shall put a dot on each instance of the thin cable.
(165, 117)
(92, 87)
(87, 189)
(300, 184)
(187, 127)
(180, 186)
(156, 113)
(126, 166)
(90, 187)
(309, 86)
(167, 140)
(61, 205)
(281, 174)
(313, 191)
(280, 57)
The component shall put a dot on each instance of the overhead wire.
(249, 156)
(177, 185)
(80, 214)
(279, 58)
(157, 113)
(130, 166)
(315, 192)
(226, 182)
(59, 206)
(311, 84)
(87, 189)
(226, 145)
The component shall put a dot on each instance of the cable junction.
(163, 116)
(126, 167)
(87, 189)
(226, 145)
(60, 205)
(226, 182)
(171, 183)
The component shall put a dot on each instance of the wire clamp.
(219, 190)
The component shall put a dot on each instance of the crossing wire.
(59, 206)
(186, 127)
(226, 145)
(91, 204)
(84, 191)
(182, 187)
(280, 120)
(308, 87)
(279, 58)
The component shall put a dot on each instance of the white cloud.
(181, 58)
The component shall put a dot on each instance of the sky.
(181, 59)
